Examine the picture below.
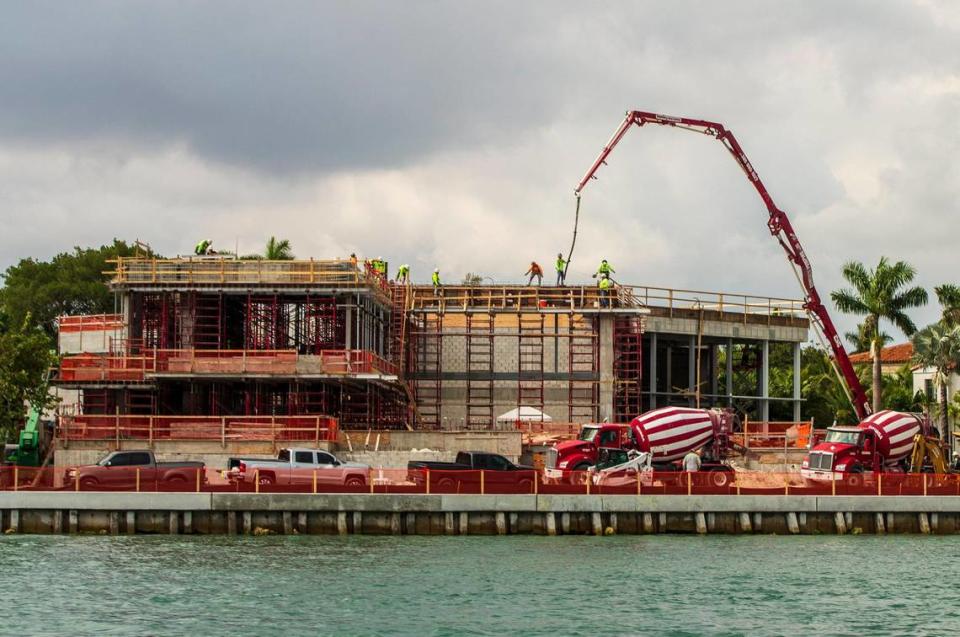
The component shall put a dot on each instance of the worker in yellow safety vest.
(605, 286)
(403, 274)
(604, 269)
(561, 269)
(435, 279)
(203, 247)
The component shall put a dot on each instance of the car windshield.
(588, 433)
(842, 436)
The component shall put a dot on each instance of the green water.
(309, 585)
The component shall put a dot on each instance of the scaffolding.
(583, 361)
(428, 358)
(530, 349)
(480, 368)
(627, 367)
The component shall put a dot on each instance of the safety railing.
(90, 323)
(196, 428)
(507, 297)
(189, 477)
(89, 367)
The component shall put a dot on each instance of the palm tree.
(860, 339)
(277, 250)
(938, 346)
(949, 297)
(879, 294)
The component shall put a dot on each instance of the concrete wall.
(261, 514)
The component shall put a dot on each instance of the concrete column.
(287, 522)
(714, 376)
(745, 526)
(765, 381)
(653, 370)
(247, 522)
(648, 523)
(792, 524)
(606, 366)
(550, 521)
(174, 523)
(188, 522)
(597, 523)
(114, 521)
(73, 521)
(729, 373)
(796, 382)
(348, 324)
(565, 523)
(464, 523)
(669, 383)
(692, 371)
(231, 522)
(878, 521)
(701, 520)
(448, 527)
(58, 521)
(357, 522)
(841, 523)
(411, 524)
(342, 523)
(500, 519)
(14, 521)
(396, 526)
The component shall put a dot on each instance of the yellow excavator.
(928, 455)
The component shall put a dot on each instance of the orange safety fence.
(774, 435)
(89, 367)
(223, 428)
(189, 477)
(90, 322)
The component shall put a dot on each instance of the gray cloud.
(452, 134)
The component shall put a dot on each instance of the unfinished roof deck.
(228, 274)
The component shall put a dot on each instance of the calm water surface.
(308, 585)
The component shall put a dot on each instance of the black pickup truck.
(463, 475)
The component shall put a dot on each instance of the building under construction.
(213, 337)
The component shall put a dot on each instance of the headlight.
(563, 465)
(841, 467)
(806, 463)
(71, 473)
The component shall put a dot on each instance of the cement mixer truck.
(882, 442)
(668, 434)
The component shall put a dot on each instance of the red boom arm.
(779, 225)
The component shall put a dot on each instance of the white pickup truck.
(299, 466)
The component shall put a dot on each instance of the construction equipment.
(779, 226)
(928, 455)
(26, 453)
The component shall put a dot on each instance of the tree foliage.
(25, 358)
(937, 346)
(70, 283)
(277, 250)
(880, 294)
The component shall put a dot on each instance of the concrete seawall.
(233, 513)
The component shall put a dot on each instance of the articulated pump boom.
(780, 227)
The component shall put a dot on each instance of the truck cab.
(582, 453)
(844, 450)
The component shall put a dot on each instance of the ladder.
(479, 364)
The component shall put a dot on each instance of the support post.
(765, 381)
(653, 370)
(796, 384)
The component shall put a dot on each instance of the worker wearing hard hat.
(203, 247)
(535, 271)
(605, 284)
(403, 274)
(561, 269)
(604, 269)
(435, 279)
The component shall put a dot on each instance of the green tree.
(824, 397)
(880, 294)
(860, 339)
(25, 358)
(70, 283)
(937, 346)
(277, 250)
(898, 391)
(949, 297)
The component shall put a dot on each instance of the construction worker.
(604, 269)
(691, 461)
(203, 247)
(403, 274)
(435, 279)
(353, 260)
(605, 284)
(535, 271)
(561, 269)
(381, 267)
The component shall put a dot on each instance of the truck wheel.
(525, 486)
(855, 477)
(355, 482)
(581, 477)
(88, 484)
(446, 484)
(720, 478)
(177, 483)
(266, 480)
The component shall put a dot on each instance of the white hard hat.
(436, 269)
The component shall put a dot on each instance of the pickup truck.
(136, 469)
(299, 467)
(463, 475)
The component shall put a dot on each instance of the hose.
(576, 222)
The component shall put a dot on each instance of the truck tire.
(89, 484)
(581, 476)
(855, 477)
(445, 484)
(721, 478)
(266, 479)
(176, 482)
(355, 482)
(525, 486)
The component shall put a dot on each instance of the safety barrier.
(187, 479)
(125, 368)
(90, 323)
(774, 435)
(190, 428)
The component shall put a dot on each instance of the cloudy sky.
(452, 134)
